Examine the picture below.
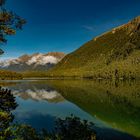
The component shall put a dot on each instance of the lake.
(113, 107)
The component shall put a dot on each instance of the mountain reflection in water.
(39, 95)
(114, 107)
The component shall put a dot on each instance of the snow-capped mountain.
(36, 61)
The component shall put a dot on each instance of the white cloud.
(7, 62)
(42, 60)
(48, 59)
(37, 59)
(89, 28)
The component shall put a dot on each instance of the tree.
(7, 104)
(9, 23)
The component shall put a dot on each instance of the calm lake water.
(113, 107)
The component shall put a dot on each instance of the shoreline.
(71, 78)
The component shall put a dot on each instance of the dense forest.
(9, 75)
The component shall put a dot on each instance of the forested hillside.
(113, 55)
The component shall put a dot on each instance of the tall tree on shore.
(10, 22)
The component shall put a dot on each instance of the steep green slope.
(115, 54)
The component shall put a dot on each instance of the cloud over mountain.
(36, 61)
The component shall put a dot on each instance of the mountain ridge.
(36, 61)
(114, 54)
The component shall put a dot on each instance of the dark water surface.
(114, 107)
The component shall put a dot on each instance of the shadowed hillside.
(115, 54)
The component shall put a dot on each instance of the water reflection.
(39, 95)
(63, 127)
(114, 107)
(116, 104)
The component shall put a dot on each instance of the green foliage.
(24, 132)
(33, 74)
(72, 128)
(9, 75)
(7, 104)
(9, 23)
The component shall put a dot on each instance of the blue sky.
(64, 25)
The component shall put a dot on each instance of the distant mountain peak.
(35, 61)
(24, 57)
